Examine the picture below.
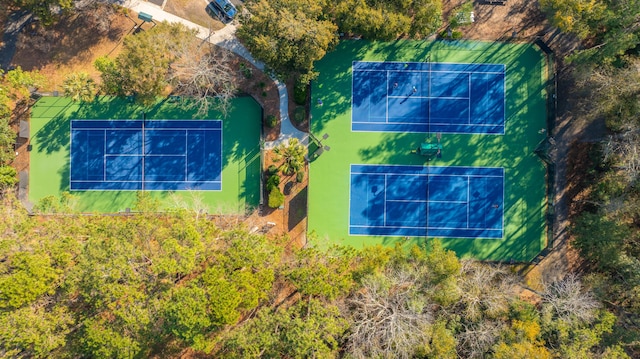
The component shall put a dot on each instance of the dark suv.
(222, 9)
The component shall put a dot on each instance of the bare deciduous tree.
(485, 290)
(476, 339)
(202, 73)
(569, 301)
(390, 318)
(623, 151)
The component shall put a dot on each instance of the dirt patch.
(292, 218)
(21, 161)
(71, 45)
(194, 11)
(578, 189)
(513, 20)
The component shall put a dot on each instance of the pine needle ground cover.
(523, 202)
(49, 173)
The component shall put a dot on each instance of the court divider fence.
(551, 87)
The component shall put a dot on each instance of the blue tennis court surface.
(445, 202)
(428, 97)
(146, 155)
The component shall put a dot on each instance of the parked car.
(223, 9)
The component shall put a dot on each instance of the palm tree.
(80, 87)
(291, 155)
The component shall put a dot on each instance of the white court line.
(468, 200)
(186, 157)
(427, 175)
(158, 155)
(411, 130)
(156, 181)
(420, 166)
(469, 104)
(424, 201)
(431, 98)
(104, 157)
(386, 114)
(436, 71)
(384, 211)
(434, 228)
(429, 124)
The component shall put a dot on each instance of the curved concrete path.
(226, 38)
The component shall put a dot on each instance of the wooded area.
(149, 284)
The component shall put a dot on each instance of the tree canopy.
(288, 35)
(148, 283)
(167, 58)
(609, 27)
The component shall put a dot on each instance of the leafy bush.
(7, 139)
(461, 15)
(273, 182)
(272, 121)
(246, 70)
(276, 198)
(300, 92)
(300, 177)
(455, 35)
(272, 169)
(299, 114)
(7, 177)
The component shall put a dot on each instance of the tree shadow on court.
(525, 117)
(109, 108)
(333, 87)
(524, 192)
(53, 136)
(240, 142)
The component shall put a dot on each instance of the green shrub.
(461, 15)
(300, 91)
(272, 182)
(276, 198)
(299, 114)
(455, 35)
(300, 177)
(246, 70)
(272, 169)
(272, 121)
(7, 177)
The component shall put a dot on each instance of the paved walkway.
(226, 38)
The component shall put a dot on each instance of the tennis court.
(445, 202)
(453, 161)
(104, 153)
(428, 97)
(146, 155)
